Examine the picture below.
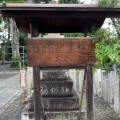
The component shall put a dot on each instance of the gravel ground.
(102, 111)
(13, 112)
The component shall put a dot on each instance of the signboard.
(23, 81)
(60, 51)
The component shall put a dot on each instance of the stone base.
(27, 115)
(61, 103)
(55, 115)
(58, 103)
(57, 88)
(54, 75)
(65, 115)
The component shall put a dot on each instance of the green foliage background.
(24, 1)
(108, 44)
(5, 49)
(107, 49)
(13, 1)
(107, 3)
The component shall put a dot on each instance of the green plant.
(16, 61)
(106, 3)
(25, 63)
(6, 50)
(73, 34)
(84, 103)
(13, 1)
(0, 54)
(107, 49)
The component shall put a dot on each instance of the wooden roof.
(58, 18)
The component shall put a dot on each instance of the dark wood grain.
(37, 94)
(59, 18)
(90, 94)
(60, 52)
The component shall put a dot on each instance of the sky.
(87, 1)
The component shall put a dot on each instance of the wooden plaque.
(60, 51)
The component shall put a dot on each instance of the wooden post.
(80, 106)
(37, 94)
(36, 75)
(89, 94)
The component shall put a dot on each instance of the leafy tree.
(22, 38)
(0, 53)
(13, 1)
(107, 3)
(108, 48)
(6, 49)
(114, 21)
(6, 26)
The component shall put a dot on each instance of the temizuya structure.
(62, 53)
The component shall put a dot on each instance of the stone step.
(54, 74)
(58, 103)
(61, 103)
(57, 88)
(55, 115)
(65, 115)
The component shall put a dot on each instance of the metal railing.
(7, 62)
(22, 60)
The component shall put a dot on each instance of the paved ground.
(5, 73)
(4, 66)
(10, 94)
(13, 112)
(9, 90)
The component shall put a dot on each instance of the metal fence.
(8, 63)
(9, 58)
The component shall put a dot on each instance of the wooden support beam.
(30, 28)
(36, 74)
(85, 28)
(80, 106)
(34, 32)
(37, 94)
(89, 94)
